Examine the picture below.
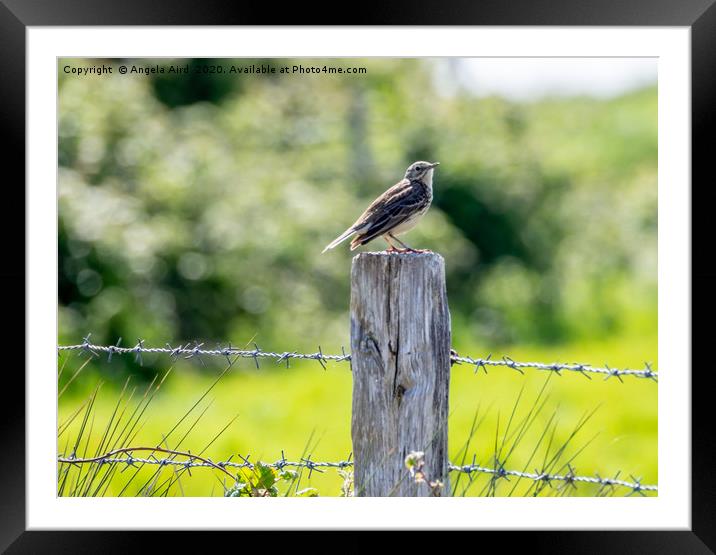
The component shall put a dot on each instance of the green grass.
(305, 409)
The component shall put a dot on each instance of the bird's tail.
(342, 237)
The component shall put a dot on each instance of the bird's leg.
(391, 247)
(406, 248)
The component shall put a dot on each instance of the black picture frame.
(698, 15)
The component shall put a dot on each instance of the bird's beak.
(434, 164)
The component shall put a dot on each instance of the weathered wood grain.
(400, 344)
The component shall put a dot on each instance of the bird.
(394, 212)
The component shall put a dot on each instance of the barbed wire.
(188, 351)
(556, 367)
(192, 461)
(568, 479)
(126, 456)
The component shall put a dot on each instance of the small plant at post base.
(347, 485)
(259, 481)
(262, 481)
(415, 462)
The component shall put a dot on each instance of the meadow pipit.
(394, 212)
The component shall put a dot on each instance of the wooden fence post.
(400, 355)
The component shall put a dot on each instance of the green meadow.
(306, 410)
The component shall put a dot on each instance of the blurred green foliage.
(194, 207)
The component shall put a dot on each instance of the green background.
(195, 207)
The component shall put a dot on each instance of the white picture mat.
(670, 510)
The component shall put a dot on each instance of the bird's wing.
(389, 210)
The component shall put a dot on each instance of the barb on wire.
(196, 351)
(188, 460)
